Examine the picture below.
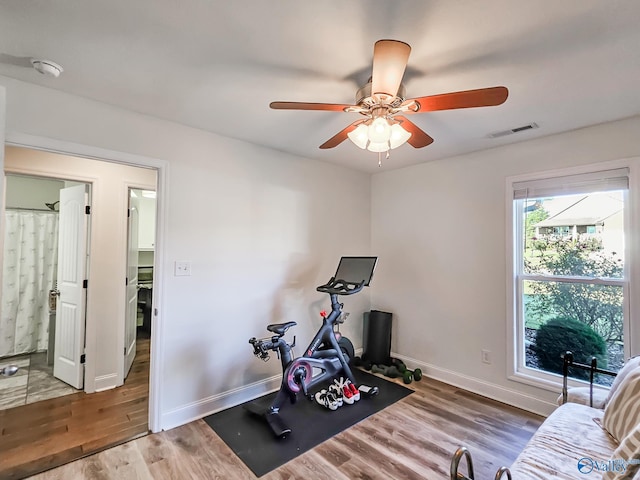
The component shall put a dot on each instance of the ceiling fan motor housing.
(365, 99)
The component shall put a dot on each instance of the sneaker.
(354, 391)
(337, 393)
(332, 401)
(327, 400)
(348, 395)
(341, 383)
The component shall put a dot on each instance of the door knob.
(53, 299)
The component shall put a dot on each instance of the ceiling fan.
(383, 105)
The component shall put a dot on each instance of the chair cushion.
(582, 395)
(622, 413)
(568, 435)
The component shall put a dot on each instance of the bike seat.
(280, 328)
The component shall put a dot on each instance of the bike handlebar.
(340, 287)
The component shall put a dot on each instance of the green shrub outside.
(561, 334)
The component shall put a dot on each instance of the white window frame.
(516, 369)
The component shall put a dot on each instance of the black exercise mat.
(250, 437)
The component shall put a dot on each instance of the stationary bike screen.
(356, 269)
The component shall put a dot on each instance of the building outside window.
(570, 281)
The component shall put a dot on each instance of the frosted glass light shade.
(379, 130)
(379, 135)
(359, 136)
(378, 146)
(398, 136)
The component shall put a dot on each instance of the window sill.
(549, 381)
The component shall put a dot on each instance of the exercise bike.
(328, 354)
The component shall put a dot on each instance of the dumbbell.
(387, 371)
(407, 375)
(360, 362)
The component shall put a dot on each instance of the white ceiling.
(216, 65)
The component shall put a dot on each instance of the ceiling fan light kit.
(378, 135)
(382, 102)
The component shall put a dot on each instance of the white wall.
(31, 192)
(261, 229)
(439, 230)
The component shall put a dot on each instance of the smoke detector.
(47, 67)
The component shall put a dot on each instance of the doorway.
(34, 243)
(107, 280)
(140, 261)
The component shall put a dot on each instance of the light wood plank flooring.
(413, 439)
(42, 435)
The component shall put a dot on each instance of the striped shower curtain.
(29, 272)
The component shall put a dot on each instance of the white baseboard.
(106, 382)
(215, 403)
(486, 389)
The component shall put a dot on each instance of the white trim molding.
(215, 403)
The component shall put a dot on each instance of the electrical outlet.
(182, 269)
(486, 357)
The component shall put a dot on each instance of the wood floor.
(413, 439)
(39, 436)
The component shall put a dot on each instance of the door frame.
(18, 139)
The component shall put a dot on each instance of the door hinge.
(128, 212)
(83, 358)
(85, 284)
(126, 281)
(125, 351)
(87, 209)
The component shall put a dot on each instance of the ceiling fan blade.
(482, 97)
(341, 136)
(418, 138)
(331, 107)
(390, 59)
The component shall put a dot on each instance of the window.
(570, 276)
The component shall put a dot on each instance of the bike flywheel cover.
(291, 374)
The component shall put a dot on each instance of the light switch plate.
(182, 269)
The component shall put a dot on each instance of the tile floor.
(33, 382)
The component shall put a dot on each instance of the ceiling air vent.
(513, 130)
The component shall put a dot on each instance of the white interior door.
(71, 306)
(131, 315)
